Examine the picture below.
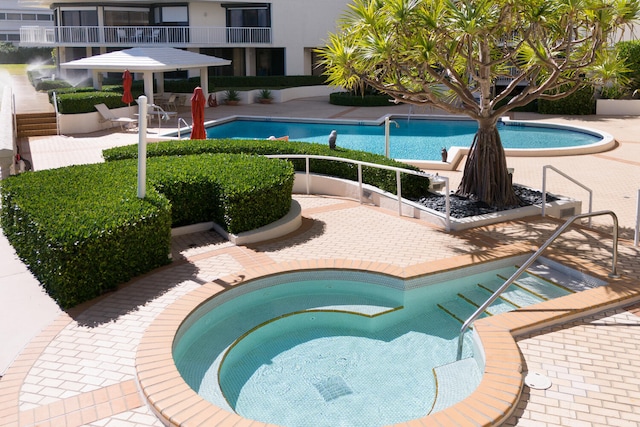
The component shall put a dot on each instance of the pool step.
(532, 287)
(540, 287)
(455, 381)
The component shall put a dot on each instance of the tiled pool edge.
(491, 403)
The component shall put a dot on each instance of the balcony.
(145, 36)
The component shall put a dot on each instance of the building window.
(79, 18)
(248, 14)
(14, 16)
(124, 17)
(43, 17)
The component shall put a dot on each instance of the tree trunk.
(486, 177)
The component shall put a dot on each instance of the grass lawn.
(15, 68)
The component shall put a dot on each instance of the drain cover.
(537, 381)
(332, 388)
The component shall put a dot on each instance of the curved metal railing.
(398, 171)
(531, 260)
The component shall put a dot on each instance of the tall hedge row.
(82, 230)
(412, 186)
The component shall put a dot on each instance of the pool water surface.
(344, 348)
(411, 139)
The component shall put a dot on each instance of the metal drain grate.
(332, 388)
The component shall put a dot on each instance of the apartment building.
(15, 15)
(274, 38)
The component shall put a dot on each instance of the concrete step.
(36, 124)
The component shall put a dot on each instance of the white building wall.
(299, 25)
(206, 14)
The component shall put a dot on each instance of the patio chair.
(169, 103)
(107, 115)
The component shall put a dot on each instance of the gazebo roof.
(140, 59)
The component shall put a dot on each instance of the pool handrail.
(398, 171)
(180, 119)
(532, 259)
(544, 188)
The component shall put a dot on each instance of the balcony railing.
(137, 36)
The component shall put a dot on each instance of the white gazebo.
(148, 60)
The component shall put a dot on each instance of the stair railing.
(180, 119)
(544, 188)
(55, 106)
(532, 259)
(637, 233)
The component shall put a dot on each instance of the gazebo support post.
(148, 86)
(204, 82)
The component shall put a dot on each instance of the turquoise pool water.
(332, 348)
(413, 139)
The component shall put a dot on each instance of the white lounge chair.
(107, 115)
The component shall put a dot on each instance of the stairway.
(527, 290)
(36, 124)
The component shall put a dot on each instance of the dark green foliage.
(357, 100)
(82, 230)
(83, 102)
(45, 85)
(581, 102)
(412, 186)
(630, 51)
(10, 54)
(210, 187)
(272, 82)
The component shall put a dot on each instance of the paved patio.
(77, 367)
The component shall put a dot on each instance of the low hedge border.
(356, 100)
(82, 230)
(412, 186)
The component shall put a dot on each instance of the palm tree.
(450, 53)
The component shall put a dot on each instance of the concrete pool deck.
(80, 368)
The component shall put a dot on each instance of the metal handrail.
(180, 119)
(637, 233)
(55, 107)
(531, 260)
(307, 157)
(544, 188)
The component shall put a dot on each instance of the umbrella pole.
(142, 146)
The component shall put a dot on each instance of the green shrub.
(83, 102)
(10, 54)
(237, 192)
(357, 100)
(630, 51)
(412, 186)
(45, 85)
(581, 102)
(82, 230)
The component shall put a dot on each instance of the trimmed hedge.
(82, 102)
(356, 100)
(630, 51)
(412, 186)
(236, 191)
(582, 102)
(82, 230)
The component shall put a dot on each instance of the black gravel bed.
(462, 207)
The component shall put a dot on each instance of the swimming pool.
(335, 347)
(412, 139)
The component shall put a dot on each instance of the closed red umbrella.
(127, 80)
(197, 114)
